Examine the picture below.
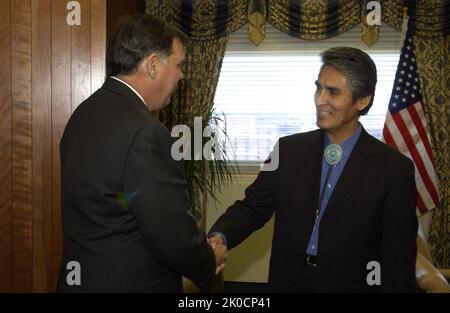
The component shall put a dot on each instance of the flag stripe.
(391, 132)
(419, 144)
(425, 160)
(387, 135)
(415, 156)
(421, 113)
(414, 111)
(420, 204)
(424, 194)
(421, 182)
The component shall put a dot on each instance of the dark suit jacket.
(124, 201)
(369, 217)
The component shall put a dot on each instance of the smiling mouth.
(324, 113)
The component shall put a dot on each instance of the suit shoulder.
(115, 107)
(154, 127)
(388, 154)
(301, 138)
(108, 115)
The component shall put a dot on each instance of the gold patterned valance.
(314, 20)
(257, 15)
(304, 19)
(201, 20)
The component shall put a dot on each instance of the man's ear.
(363, 103)
(152, 65)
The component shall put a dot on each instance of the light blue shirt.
(347, 147)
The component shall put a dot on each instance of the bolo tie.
(333, 155)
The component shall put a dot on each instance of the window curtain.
(209, 23)
(432, 27)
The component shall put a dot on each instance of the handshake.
(220, 252)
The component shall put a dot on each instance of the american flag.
(405, 127)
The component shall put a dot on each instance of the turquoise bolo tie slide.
(333, 154)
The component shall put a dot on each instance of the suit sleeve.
(160, 205)
(250, 214)
(399, 231)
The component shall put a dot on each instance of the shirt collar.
(134, 90)
(347, 146)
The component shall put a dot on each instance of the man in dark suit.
(125, 222)
(344, 202)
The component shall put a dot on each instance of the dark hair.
(135, 38)
(359, 69)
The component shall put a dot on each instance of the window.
(267, 92)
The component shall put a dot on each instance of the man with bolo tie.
(342, 199)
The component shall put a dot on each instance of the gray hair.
(358, 68)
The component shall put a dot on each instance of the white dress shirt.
(134, 90)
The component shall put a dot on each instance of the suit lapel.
(314, 168)
(354, 170)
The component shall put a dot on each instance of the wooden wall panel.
(116, 9)
(61, 110)
(6, 281)
(42, 134)
(48, 68)
(98, 43)
(21, 146)
(81, 56)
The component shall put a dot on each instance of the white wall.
(248, 262)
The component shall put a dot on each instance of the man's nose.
(321, 97)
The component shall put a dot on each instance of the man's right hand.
(220, 252)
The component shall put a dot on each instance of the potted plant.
(207, 176)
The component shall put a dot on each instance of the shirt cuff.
(219, 234)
